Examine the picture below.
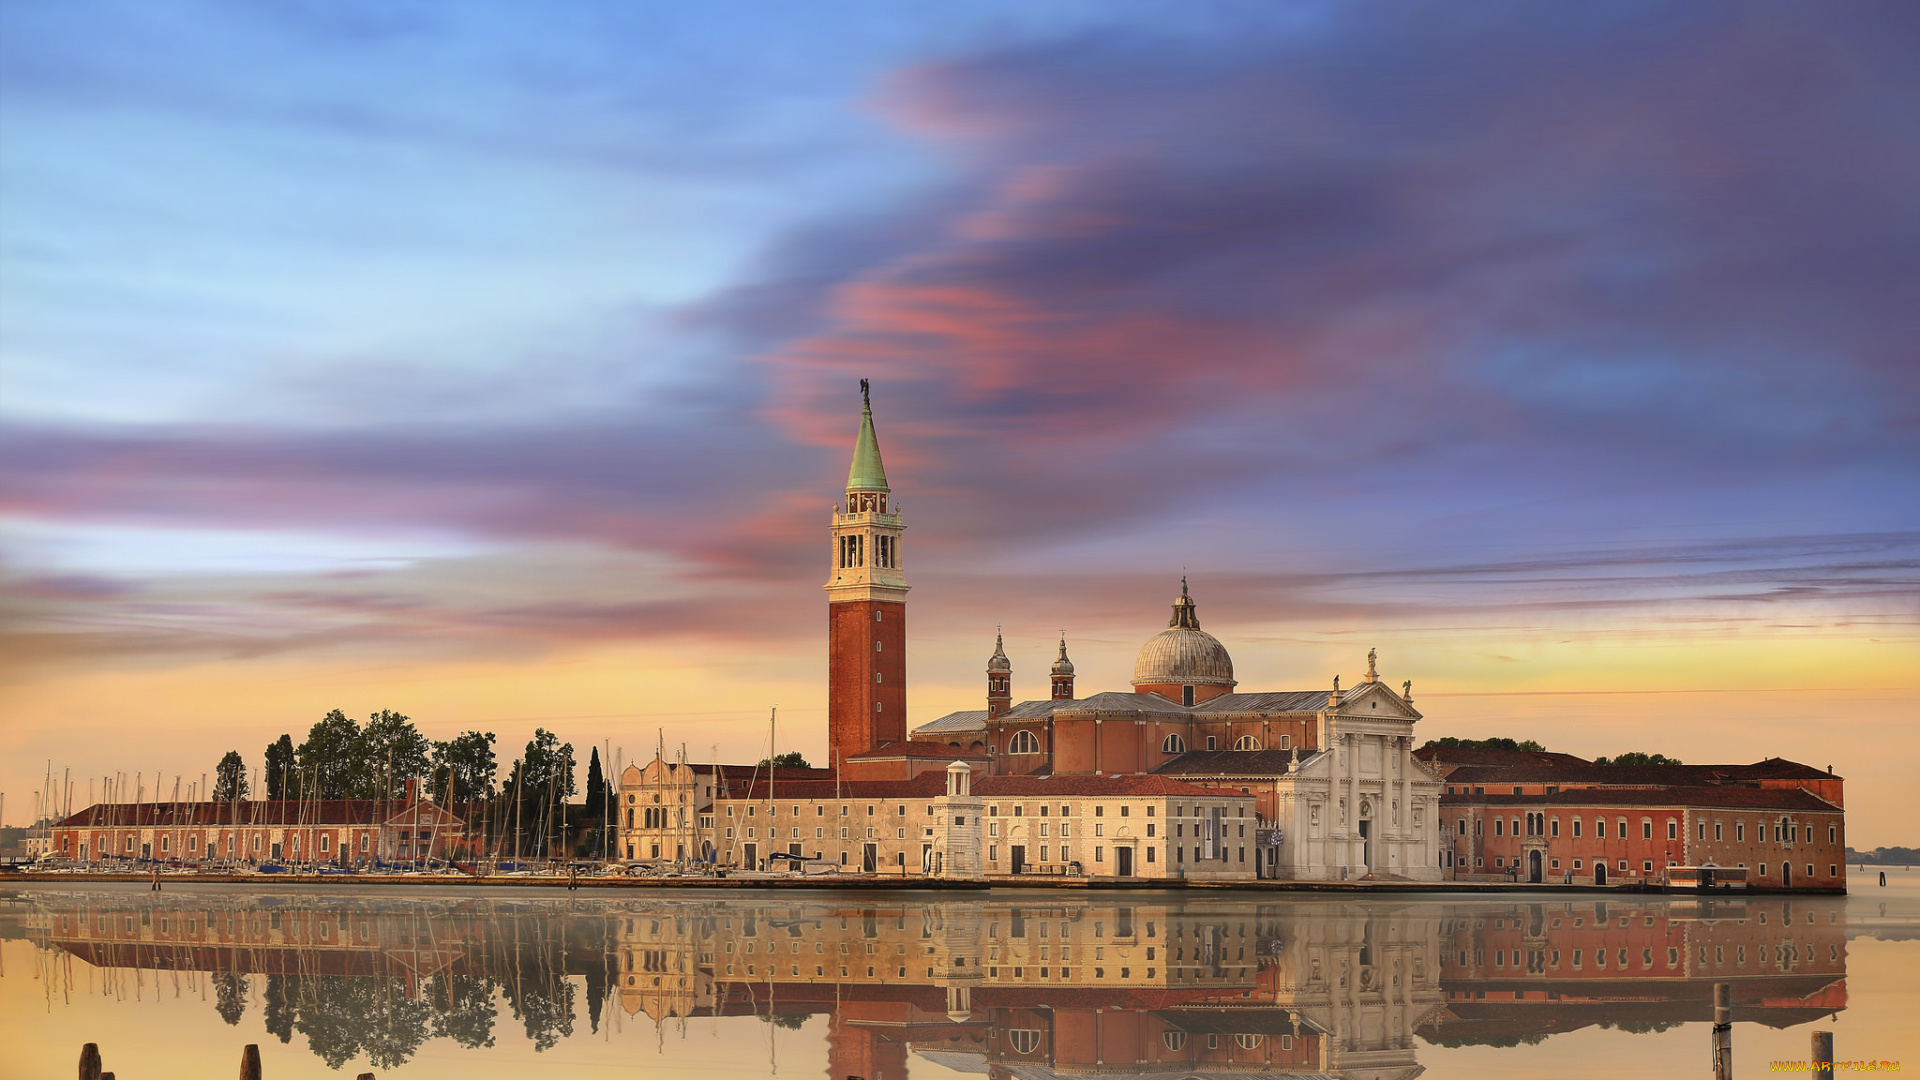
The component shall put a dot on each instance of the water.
(1023, 986)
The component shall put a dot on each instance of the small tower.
(1063, 673)
(999, 680)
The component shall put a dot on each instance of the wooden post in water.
(90, 1062)
(1823, 1053)
(1722, 1031)
(250, 1063)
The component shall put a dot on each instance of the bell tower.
(866, 607)
(999, 680)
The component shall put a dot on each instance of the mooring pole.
(250, 1063)
(1722, 1031)
(90, 1062)
(1823, 1053)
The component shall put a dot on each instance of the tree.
(464, 766)
(792, 759)
(329, 762)
(279, 769)
(390, 752)
(596, 786)
(1496, 743)
(1635, 757)
(230, 777)
(545, 771)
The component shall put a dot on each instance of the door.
(146, 851)
(1533, 867)
(1366, 842)
(793, 849)
(870, 858)
(1599, 872)
(1124, 860)
(1786, 875)
(753, 857)
(1019, 857)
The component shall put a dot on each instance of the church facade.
(1336, 790)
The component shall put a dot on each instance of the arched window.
(1173, 744)
(1023, 742)
(1249, 1042)
(1023, 1040)
(1246, 742)
(1176, 1040)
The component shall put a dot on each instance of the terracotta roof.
(1587, 773)
(925, 785)
(244, 814)
(913, 748)
(1696, 795)
(1474, 755)
(1130, 784)
(930, 784)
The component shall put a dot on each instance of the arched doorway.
(1533, 867)
(1786, 875)
(1599, 872)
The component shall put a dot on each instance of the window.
(1246, 742)
(1210, 743)
(1499, 827)
(1023, 742)
(1553, 826)
(1576, 826)
(1286, 742)
(1173, 744)
(1186, 696)
(1646, 830)
(1023, 1040)
(1673, 830)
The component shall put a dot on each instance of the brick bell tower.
(866, 608)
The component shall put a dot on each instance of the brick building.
(347, 832)
(1559, 819)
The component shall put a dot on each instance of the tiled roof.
(930, 784)
(1584, 772)
(1228, 763)
(964, 720)
(1130, 784)
(1472, 755)
(1696, 795)
(1287, 701)
(1107, 702)
(925, 785)
(245, 814)
(915, 749)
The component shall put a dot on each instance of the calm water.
(1027, 986)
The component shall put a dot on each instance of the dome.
(1180, 655)
(1063, 666)
(1183, 654)
(998, 661)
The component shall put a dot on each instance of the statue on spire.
(1373, 670)
(866, 396)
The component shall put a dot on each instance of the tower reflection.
(1124, 984)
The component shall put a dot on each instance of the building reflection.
(1028, 988)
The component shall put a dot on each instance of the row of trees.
(1631, 757)
(344, 759)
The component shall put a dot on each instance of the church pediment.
(1379, 700)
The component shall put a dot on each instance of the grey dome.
(1183, 653)
(1063, 666)
(998, 661)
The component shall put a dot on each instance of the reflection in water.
(1031, 988)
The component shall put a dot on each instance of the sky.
(498, 364)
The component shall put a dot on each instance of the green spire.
(867, 473)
